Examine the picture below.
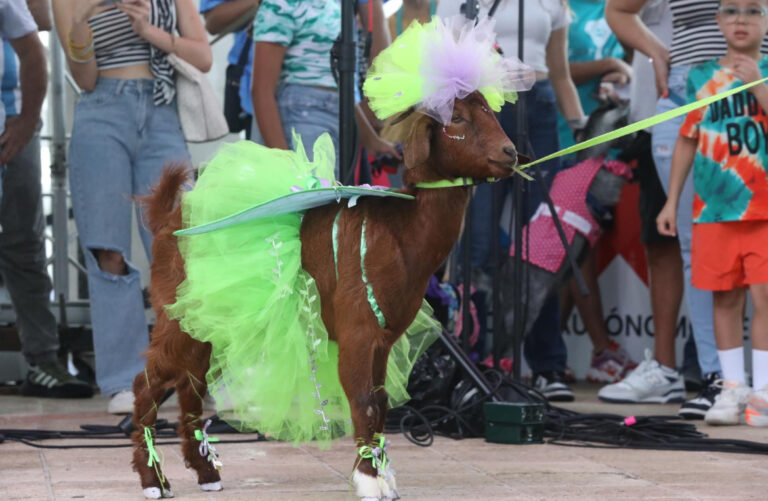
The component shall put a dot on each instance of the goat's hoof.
(370, 488)
(157, 493)
(211, 486)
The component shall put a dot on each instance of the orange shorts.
(729, 255)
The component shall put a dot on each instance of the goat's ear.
(416, 149)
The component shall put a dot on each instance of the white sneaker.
(756, 413)
(121, 403)
(649, 383)
(729, 404)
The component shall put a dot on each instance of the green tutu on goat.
(246, 293)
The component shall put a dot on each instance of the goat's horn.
(403, 116)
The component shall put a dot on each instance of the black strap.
(243, 58)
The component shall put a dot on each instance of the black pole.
(522, 139)
(347, 67)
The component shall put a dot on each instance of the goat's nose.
(511, 153)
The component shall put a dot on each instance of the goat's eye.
(457, 119)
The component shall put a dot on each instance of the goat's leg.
(356, 376)
(148, 389)
(191, 389)
(380, 358)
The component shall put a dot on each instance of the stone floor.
(466, 469)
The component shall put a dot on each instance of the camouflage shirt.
(307, 29)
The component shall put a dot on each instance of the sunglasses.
(731, 13)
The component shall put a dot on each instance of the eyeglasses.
(731, 13)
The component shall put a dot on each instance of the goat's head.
(472, 145)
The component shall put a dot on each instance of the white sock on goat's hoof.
(366, 486)
(153, 493)
(211, 486)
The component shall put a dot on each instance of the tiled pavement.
(466, 470)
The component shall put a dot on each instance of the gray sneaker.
(51, 380)
(648, 383)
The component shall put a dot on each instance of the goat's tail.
(164, 198)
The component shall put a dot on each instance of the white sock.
(732, 364)
(669, 370)
(759, 369)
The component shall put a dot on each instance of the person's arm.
(268, 58)
(192, 44)
(371, 140)
(560, 75)
(71, 20)
(585, 71)
(746, 69)
(221, 16)
(624, 19)
(381, 35)
(33, 80)
(682, 161)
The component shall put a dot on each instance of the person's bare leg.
(728, 312)
(591, 307)
(665, 277)
(759, 329)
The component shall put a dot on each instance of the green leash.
(643, 124)
(604, 138)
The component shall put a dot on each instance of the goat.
(407, 241)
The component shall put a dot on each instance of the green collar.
(460, 181)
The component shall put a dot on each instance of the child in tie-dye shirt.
(727, 144)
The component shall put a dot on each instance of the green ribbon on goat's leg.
(643, 124)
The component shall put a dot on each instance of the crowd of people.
(705, 235)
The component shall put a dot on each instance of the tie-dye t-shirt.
(729, 171)
(307, 29)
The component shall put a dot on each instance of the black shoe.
(51, 380)
(551, 385)
(696, 407)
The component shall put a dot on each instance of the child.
(727, 143)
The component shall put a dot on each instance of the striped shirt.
(696, 37)
(116, 44)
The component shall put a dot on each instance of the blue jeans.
(664, 136)
(120, 143)
(309, 111)
(545, 349)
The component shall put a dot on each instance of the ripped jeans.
(120, 143)
(663, 137)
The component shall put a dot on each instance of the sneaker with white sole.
(756, 413)
(610, 365)
(730, 404)
(650, 382)
(698, 406)
(51, 379)
(121, 403)
(551, 385)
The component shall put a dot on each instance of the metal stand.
(347, 67)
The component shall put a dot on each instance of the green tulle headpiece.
(430, 65)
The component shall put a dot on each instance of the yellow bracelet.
(173, 43)
(82, 58)
(73, 45)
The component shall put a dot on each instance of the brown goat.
(407, 241)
